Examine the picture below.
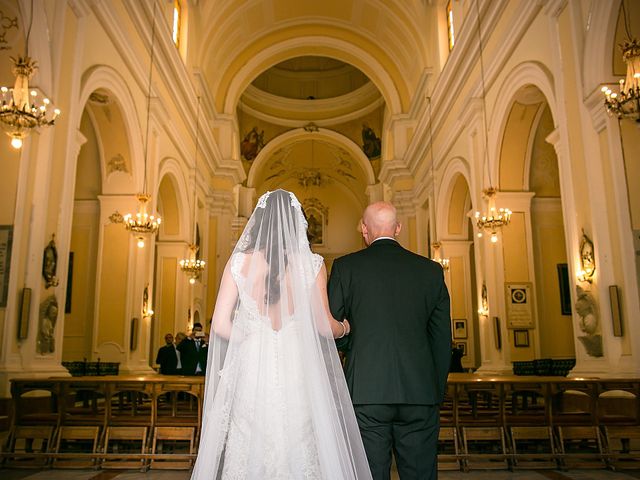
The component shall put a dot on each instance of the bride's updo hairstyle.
(274, 224)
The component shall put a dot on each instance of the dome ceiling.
(311, 92)
(310, 78)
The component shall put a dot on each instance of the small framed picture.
(462, 346)
(459, 328)
(521, 338)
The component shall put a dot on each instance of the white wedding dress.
(276, 404)
(268, 361)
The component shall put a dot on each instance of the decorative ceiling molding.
(321, 118)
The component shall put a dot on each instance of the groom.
(399, 350)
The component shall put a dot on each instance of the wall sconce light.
(587, 260)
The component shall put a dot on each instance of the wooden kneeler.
(532, 447)
(623, 447)
(484, 448)
(580, 447)
(76, 447)
(25, 441)
(181, 442)
(121, 441)
(448, 449)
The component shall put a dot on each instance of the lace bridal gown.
(276, 403)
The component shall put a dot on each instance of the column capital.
(403, 201)
(221, 202)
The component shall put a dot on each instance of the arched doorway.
(457, 245)
(172, 312)
(95, 307)
(534, 247)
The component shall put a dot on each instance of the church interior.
(140, 134)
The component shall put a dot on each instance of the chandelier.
(494, 219)
(444, 262)
(142, 223)
(23, 109)
(626, 103)
(192, 266)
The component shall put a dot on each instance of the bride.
(276, 403)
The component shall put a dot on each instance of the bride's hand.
(341, 329)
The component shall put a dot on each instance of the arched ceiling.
(256, 41)
(340, 65)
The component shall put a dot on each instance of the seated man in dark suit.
(169, 357)
(193, 352)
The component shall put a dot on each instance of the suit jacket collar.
(384, 241)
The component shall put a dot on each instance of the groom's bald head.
(379, 220)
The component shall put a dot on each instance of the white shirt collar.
(384, 238)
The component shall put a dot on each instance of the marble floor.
(184, 475)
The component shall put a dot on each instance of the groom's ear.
(398, 228)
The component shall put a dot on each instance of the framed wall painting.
(462, 346)
(69, 295)
(521, 338)
(133, 338)
(23, 315)
(6, 240)
(459, 327)
(497, 335)
(616, 312)
(564, 288)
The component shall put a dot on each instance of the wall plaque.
(519, 305)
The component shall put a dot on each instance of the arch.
(524, 74)
(598, 54)
(393, 91)
(300, 134)
(174, 221)
(107, 78)
(453, 201)
(457, 168)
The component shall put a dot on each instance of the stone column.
(19, 356)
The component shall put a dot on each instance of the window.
(175, 30)
(450, 31)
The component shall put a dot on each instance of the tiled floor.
(183, 475)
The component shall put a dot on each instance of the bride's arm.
(225, 304)
(338, 329)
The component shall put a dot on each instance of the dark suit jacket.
(190, 356)
(168, 360)
(397, 303)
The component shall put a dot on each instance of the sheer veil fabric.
(276, 403)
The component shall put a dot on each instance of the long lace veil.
(276, 402)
